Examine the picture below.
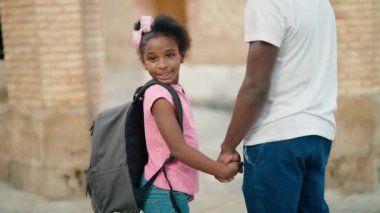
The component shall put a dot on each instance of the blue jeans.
(286, 176)
(158, 200)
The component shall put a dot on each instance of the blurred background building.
(55, 56)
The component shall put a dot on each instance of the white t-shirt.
(303, 93)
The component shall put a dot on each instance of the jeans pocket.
(251, 155)
(251, 163)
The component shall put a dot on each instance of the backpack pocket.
(111, 190)
(91, 190)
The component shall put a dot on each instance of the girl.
(162, 44)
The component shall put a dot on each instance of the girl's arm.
(170, 130)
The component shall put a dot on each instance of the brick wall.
(118, 24)
(357, 36)
(21, 52)
(44, 58)
(94, 54)
(216, 29)
(355, 155)
(377, 41)
(54, 63)
(4, 118)
(377, 81)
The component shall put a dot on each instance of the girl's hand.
(226, 158)
(230, 170)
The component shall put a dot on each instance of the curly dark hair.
(168, 26)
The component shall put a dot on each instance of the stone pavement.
(214, 197)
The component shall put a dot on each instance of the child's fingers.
(241, 168)
(223, 180)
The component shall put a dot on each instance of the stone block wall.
(94, 54)
(216, 29)
(4, 117)
(54, 65)
(377, 76)
(217, 32)
(3, 90)
(357, 36)
(354, 162)
(118, 24)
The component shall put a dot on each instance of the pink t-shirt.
(182, 177)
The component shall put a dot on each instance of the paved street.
(214, 197)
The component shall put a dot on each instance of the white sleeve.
(265, 21)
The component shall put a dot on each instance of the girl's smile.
(162, 59)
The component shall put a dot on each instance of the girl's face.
(162, 59)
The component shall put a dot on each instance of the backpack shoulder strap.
(177, 102)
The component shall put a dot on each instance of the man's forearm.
(248, 106)
(252, 94)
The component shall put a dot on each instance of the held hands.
(233, 165)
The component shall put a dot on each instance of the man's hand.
(226, 158)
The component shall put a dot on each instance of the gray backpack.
(119, 154)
